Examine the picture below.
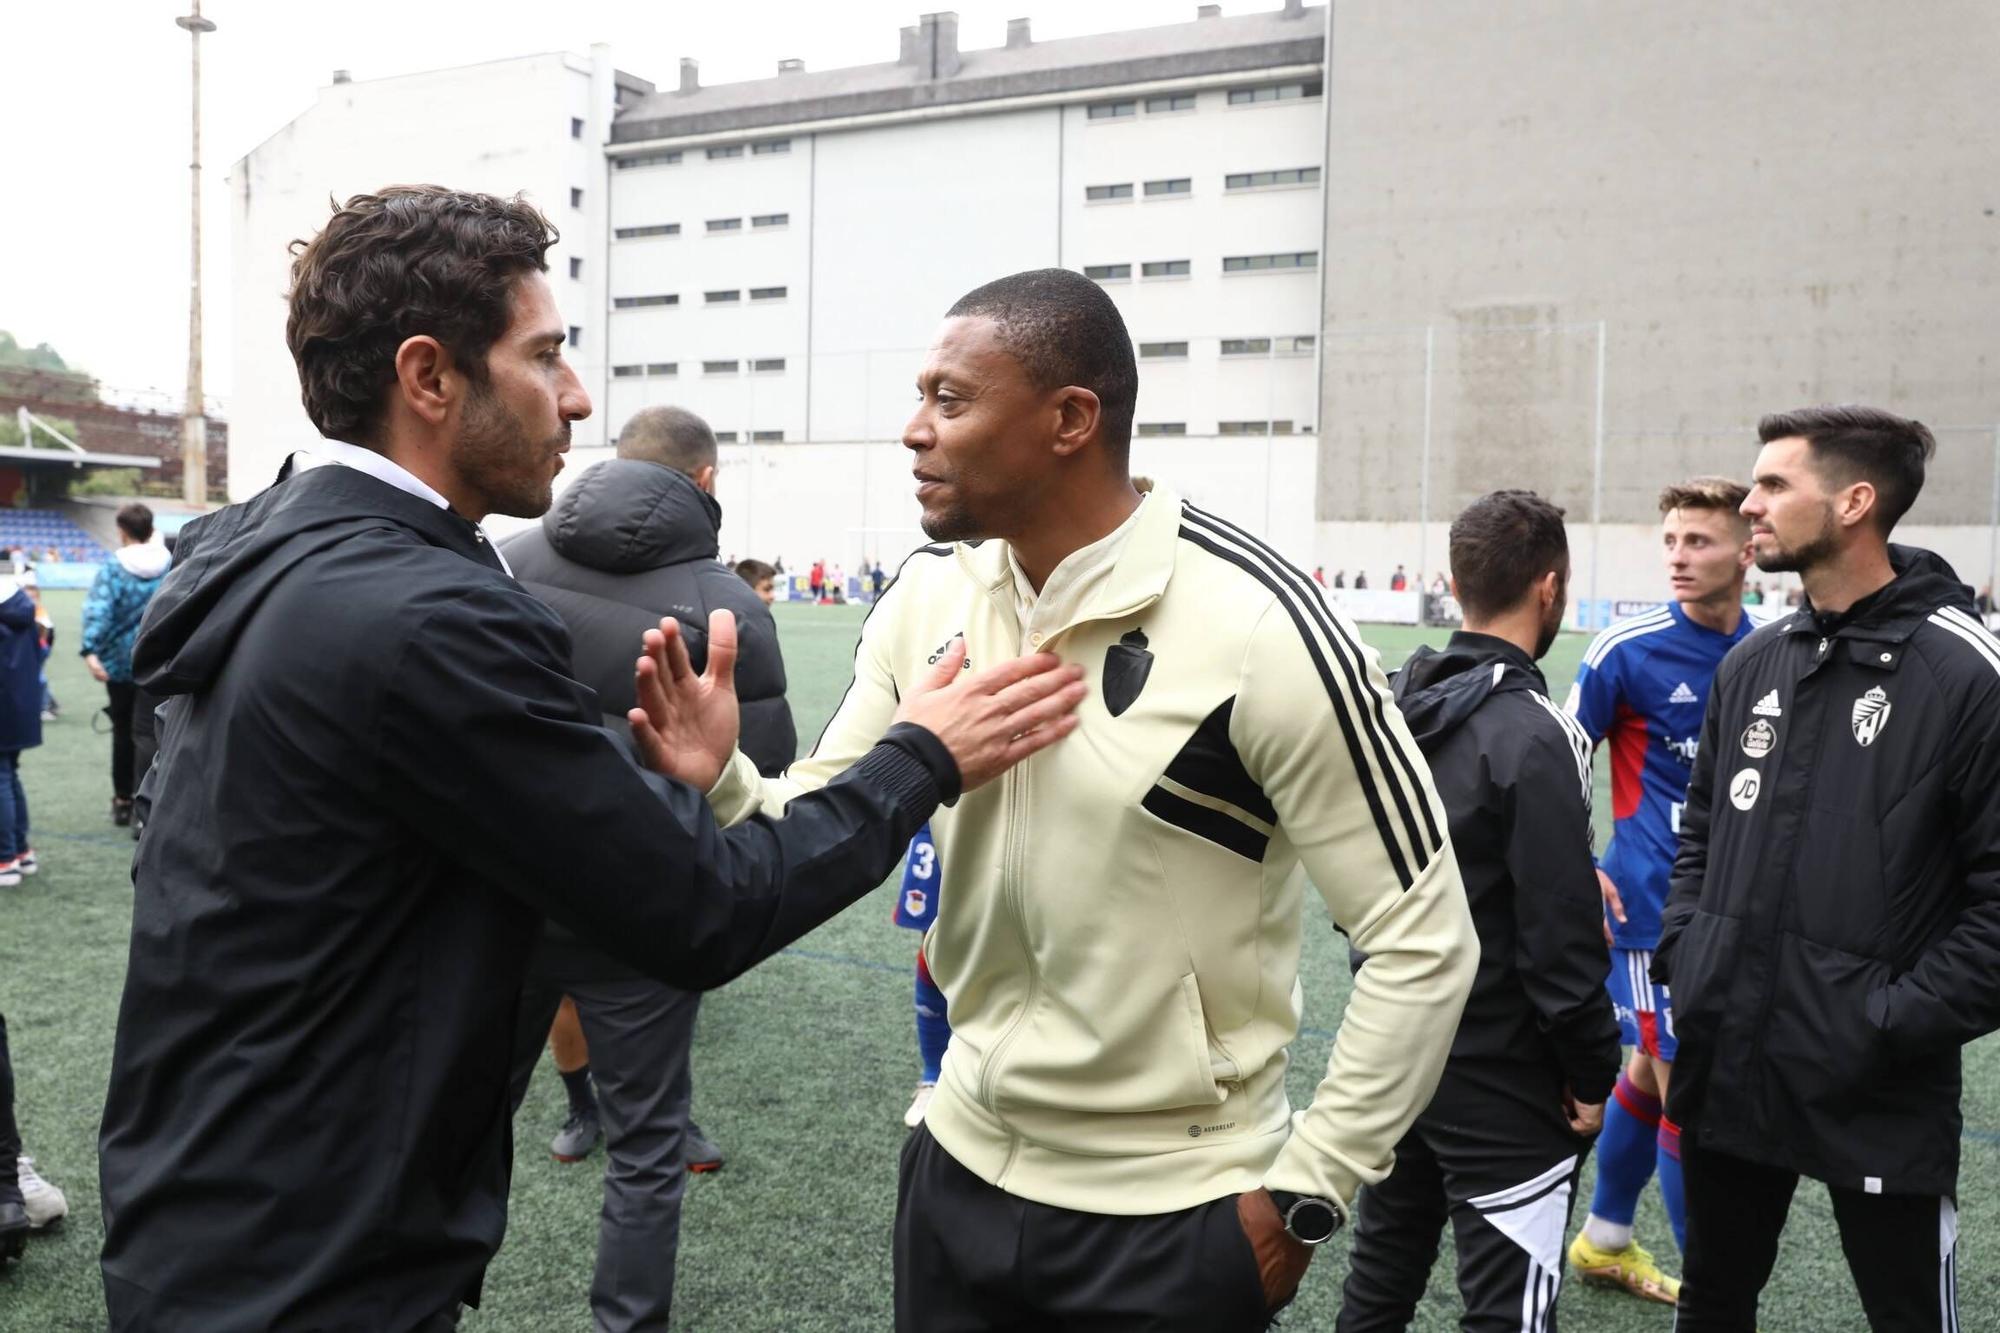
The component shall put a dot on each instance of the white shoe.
(10, 873)
(45, 1203)
(29, 865)
(918, 1105)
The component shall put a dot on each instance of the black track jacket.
(1833, 932)
(375, 778)
(1513, 771)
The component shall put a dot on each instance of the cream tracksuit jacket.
(1119, 925)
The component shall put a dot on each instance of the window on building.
(1097, 192)
(640, 302)
(663, 159)
(1112, 110)
(722, 298)
(1163, 428)
(771, 220)
(770, 146)
(1171, 102)
(725, 437)
(1178, 185)
(721, 368)
(1275, 92)
(657, 229)
(1164, 268)
(663, 368)
(1305, 342)
(768, 365)
(627, 372)
(727, 150)
(575, 197)
(1107, 272)
(767, 293)
(575, 335)
(1264, 180)
(725, 224)
(1162, 351)
(1260, 263)
(1246, 346)
(1253, 428)
(576, 127)
(575, 266)
(767, 437)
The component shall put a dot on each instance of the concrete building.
(782, 249)
(534, 125)
(1761, 206)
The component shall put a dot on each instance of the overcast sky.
(94, 223)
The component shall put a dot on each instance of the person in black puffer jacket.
(630, 541)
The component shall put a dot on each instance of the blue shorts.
(1645, 1013)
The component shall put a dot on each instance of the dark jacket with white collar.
(1833, 932)
(376, 776)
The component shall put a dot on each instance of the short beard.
(955, 524)
(1821, 547)
(494, 454)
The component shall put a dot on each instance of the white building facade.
(783, 249)
(533, 125)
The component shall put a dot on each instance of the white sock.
(1607, 1235)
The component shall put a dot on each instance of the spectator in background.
(1319, 575)
(1398, 581)
(762, 578)
(111, 615)
(632, 540)
(1340, 578)
(779, 564)
(877, 580)
(1360, 580)
(1439, 587)
(1985, 600)
(20, 723)
(817, 580)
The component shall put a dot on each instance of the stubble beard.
(495, 454)
(1808, 555)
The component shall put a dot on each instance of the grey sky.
(94, 233)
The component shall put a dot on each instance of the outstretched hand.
(686, 725)
(993, 719)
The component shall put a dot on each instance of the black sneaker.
(13, 1230)
(121, 811)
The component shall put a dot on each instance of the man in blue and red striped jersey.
(1642, 687)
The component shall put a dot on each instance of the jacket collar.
(1136, 582)
(1891, 614)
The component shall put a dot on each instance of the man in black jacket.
(1498, 1150)
(630, 541)
(376, 776)
(1832, 936)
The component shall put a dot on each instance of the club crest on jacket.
(1871, 714)
(1126, 667)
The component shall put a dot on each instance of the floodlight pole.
(194, 423)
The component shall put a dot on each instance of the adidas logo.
(1682, 695)
(1768, 706)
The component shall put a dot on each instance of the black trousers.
(123, 693)
(1505, 1183)
(1901, 1248)
(10, 1132)
(973, 1257)
(640, 1032)
(145, 734)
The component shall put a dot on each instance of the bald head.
(671, 436)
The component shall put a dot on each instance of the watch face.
(1312, 1220)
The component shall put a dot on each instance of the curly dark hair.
(406, 260)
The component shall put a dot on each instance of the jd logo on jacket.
(1126, 667)
(1871, 714)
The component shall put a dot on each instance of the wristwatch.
(1309, 1219)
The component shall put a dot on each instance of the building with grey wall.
(1639, 227)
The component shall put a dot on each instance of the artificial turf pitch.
(802, 1070)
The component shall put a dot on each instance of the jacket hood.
(1438, 691)
(1924, 582)
(230, 560)
(148, 560)
(625, 515)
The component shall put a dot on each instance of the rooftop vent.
(906, 53)
(1208, 11)
(1017, 33)
(343, 76)
(791, 66)
(690, 75)
(937, 44)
